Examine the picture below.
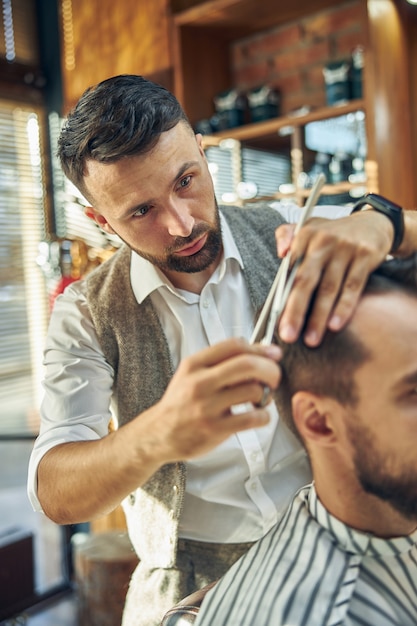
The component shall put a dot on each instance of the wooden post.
(103, 565)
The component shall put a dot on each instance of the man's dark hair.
(329, 368)
(121, 116)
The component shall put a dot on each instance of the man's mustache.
(181, 242)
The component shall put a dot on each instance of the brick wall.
(291, 57)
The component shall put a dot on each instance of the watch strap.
(393, 211)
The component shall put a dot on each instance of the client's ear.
(313, 417)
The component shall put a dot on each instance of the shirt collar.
(146, 278)
(355, 541)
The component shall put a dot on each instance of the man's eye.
(143, 210)
(184, 182)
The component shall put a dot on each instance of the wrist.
(409, 243)
(388, 208)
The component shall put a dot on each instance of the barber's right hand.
(195, 413)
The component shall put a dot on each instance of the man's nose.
(178, 220)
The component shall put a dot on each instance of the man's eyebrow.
(184, 167)
(409, 379)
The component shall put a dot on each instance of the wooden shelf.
(328, 189)
(334, 189)
(273, 126)
(300, 195)
(239, 18)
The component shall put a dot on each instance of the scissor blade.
(311, 202)
(278, 294)
(278, 308)
(262, 322)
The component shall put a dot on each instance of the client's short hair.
(328, 369)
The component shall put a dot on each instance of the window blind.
(18, 32)
(23, 301)
(264, 170)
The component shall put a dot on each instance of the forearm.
(80, 481)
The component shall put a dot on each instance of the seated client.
(345, 552)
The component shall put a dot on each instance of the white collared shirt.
(235, 492)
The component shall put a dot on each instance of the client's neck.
(347, 501)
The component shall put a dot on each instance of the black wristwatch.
(393, 211)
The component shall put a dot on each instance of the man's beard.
(194, 263)
(376, 476)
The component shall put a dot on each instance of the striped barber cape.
(313, 570)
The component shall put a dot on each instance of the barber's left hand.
(338, 256)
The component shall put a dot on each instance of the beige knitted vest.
(134, 343)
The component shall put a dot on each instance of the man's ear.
(314, 418)
(199, 140)
(99, 219)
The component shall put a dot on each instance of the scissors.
(281, 287)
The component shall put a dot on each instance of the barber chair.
(186, 611)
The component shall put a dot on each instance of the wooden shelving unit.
(201, 35)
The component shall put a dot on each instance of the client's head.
(353, 399)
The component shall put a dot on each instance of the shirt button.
(254, 487)
(254, 456)
(206, 304)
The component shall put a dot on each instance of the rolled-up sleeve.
(78, 382)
